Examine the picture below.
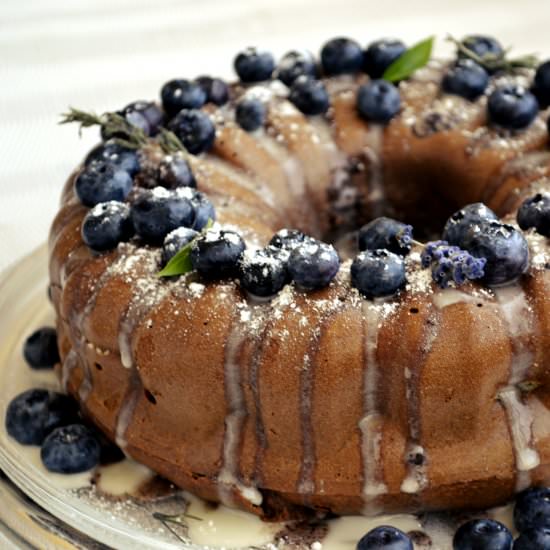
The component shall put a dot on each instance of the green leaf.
(180, 263)
(410, 61)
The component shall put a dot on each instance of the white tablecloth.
(102, 54)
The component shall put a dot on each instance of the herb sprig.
(180, 263)
(493, 62)
(410, 61)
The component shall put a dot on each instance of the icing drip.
(373, 153)
(126, 411)
(69, 364)
(370, 424)
(518, 316)
(415, 456)
(236, 407)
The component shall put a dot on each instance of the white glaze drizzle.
(518, 316)
(370, 424)
(373, 153)
(69, 364)
(228, 476)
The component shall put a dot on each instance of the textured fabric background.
(102, 54)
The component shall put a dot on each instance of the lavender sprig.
(450, 264)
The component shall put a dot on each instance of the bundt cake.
(207, 327)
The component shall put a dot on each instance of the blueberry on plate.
(174, 171)
(181, 94)
(34, 414)
(466, 79)
(378, 273)
(512, 107)
(145, 115)
(386, 233)
(378, 101)
(287, 239)
(204, 209)
(216, 254)
(532, 508)
(40, 348)
(194, 129)
(250, 114)
(504, 248)
(263, 272)
(175, 241)
(253, 65)
(482, 46)
(294, 64)
(541, 84)
(115, 154)
(482, 534)
(313, 264)
(158, 211)
(535, 538)
(216, 89)
(309, 96)
(385, 538)
(459, 223)
(340, 56)
(70, 450)
(106, 225)
(101, 181)
(535, 212)
(380, 55)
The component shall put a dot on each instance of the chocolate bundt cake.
(264, 370)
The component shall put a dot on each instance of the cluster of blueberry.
(531, 519)
(50, 419)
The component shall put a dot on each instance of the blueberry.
(535, 212)
(175, 241)
(482, 46)
(101, 181)
(250, 114)
(385, 538)
(312, 264)
(253, 65)
(341, 55)
(33, 414)
(115, 154)
(512, 107)
(194, 129)
(157, 212)
(380, 55)
(309, 96)
(541, 84)
(287, 239)
(216, 254)
(145, 115)
(106, 225)
(466, 79)
(537, 538)
(378, 273)
(482, 534)
(181, 94)
(216, 89)
(386, 233)
(204, 209)
(174, 171)
(295, 64)
(504, 248)
(40, 348)
(459, 223)
(70, 450)
(378, 101)
(263, 272)
(532, 508)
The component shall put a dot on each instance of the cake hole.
(479, 305)
(98, 366)
(150, 397)
(414, 310)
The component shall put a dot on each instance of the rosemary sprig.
(492, 62)
(169, 142)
